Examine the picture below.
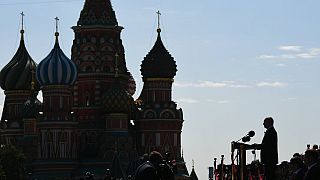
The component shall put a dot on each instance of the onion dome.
(118, 100)
(158, 63)
(131, 85)
(16, 75)
(97, 12)
(56, 68)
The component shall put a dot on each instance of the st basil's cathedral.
(88, 119)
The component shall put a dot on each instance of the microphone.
(248, 137)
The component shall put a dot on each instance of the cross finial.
(57, 20)
(192, 163)
(159, 14)
(116, 68)
(22, 20)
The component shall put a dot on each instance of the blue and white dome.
(56, 68)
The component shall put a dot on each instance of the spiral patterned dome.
(16, 75)
(56, 68)
(118, 100)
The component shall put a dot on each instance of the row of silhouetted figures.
(153, 167)
(302, 166)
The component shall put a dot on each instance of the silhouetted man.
(269, 149)
(154, 169)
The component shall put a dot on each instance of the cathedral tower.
(97, 40)
(15, 80)
(160, 122)
(57, 145)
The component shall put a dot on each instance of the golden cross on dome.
(57, 20)
(159, 14)
(22, 17)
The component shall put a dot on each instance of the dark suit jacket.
(313, 173)
(269, 147)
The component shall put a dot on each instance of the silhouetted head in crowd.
(315, 147)
(296, 163)
(296, 155)
(155, 158)
(310, 157)
(268, 122)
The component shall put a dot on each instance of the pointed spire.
(97, 12)
(193, 174)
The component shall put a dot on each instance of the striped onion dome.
(56, 68)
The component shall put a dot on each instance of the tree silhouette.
(12, 162)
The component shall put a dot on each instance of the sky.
(239, 61)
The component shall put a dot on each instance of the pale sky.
(239, 61)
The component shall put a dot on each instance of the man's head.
(296, 163)
(155, 157)
(268, 122)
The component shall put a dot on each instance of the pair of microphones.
(248, 137)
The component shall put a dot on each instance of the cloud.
(272, 84)
(281, 65)
(188, 100)
(211, 84)
(267, 57)
(223, 102)
(219, 101)
(296, 52)
(292, 99)
(230, 84)
(290, 48)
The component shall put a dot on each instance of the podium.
(242, 159)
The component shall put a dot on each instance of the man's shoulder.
(271, 131)
(146, 165)
(146, 171)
